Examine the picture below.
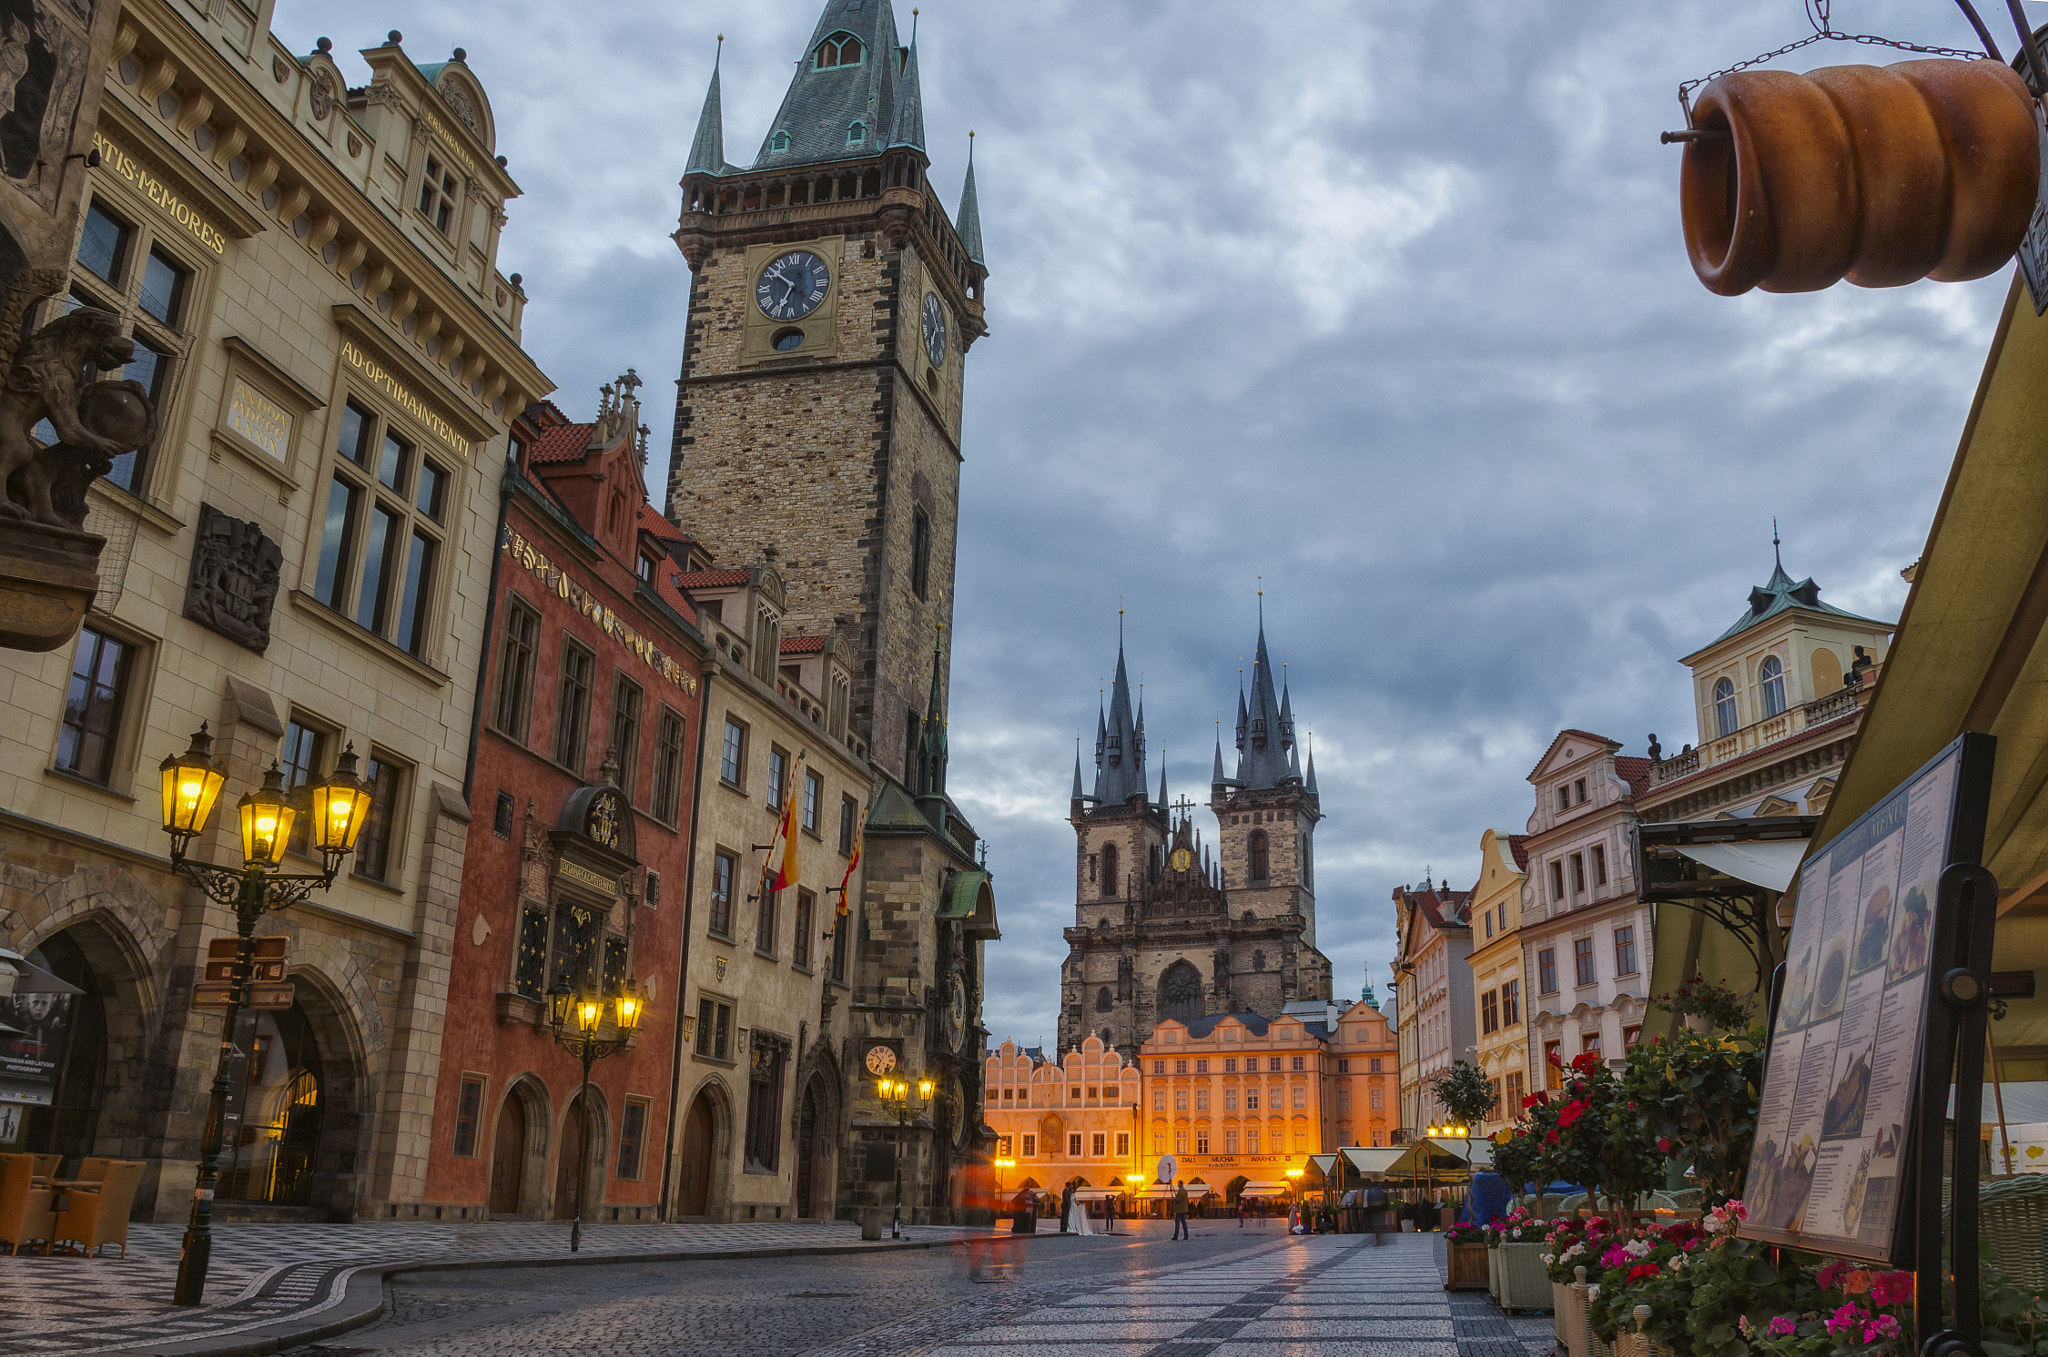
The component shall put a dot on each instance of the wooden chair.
(24, 1209)
(92, 1219)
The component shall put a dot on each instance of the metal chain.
(1817, 13)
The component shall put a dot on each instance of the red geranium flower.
(1643, 1270)
(1584, 1061)
(1550, 1137)
(1570, 1113)
(1664, 1144)
(1556, 1059)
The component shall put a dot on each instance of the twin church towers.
(1166, 927)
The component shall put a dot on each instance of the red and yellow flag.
(782, 870)
(859, 831)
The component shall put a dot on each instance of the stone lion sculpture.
(47, 378)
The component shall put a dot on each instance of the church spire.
(968, 222)
(931, 743)
(1120, 766)
(1266, 735)
(707, 149)
(907, 129)
(1162, 783)
(841, 103)
(1078, 794)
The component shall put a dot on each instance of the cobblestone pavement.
(263, 1274)
(1226, 1292)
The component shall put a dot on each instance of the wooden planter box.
(1521, 1281)
(1467, 1267)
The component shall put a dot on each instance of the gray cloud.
(1387, 305)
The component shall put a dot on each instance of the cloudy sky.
(1384, 303)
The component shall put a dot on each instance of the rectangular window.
(1589, 1042)
(1003, 1142)
(668, 767)
(439, 192)
(732, 757)
(1514, 1094)
(1625, 950)
(1546, 970)
(920, 552)
(1201, 1141)
(1300, 1097)
(1159, 1067)
(764, 919)
(337, 539)
(724, 868)
(1251, 1140)
(778, 776)
(1599, 865)
(1074, 1145)
(1564, 798)
(1273, 1064)
(1201, 1067)
(1123, 1144)
(1201, 1100)
(375, 856)
(1493, 1092)
(1511, 1003)
(800, 949)
(572, 705)
(1098, 1144)
(1030, 1146)
(469, 1103)
(1582, 960)
(301, 758)
(395, 544)
(163, 288)
(1373, 1066)
(103, 244)
(1578, 873)
(1300, 1063)
(1230, 1142)
(432, 490)
(1489, 1012)
(848, 812)
(1230, 1064)
(1553, 1052)
(1631, 1035)
(1180, 1142)
(814, 792)
(714, 1029)
(1378, 1098)
(1159, 1100)
(1556, 881)
(1251, 1100)
(632, 1136)
(518, 651)
(764, 1107)
(626, 732)
(372, 603)
(1230, 1100)
(93, 705)
(1579, 790)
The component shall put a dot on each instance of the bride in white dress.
(1078, 1223)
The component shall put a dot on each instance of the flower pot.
(1561, 1314)
(1493, 1275)
(1466, 1267)
(1524, 1285)
(1883, 175)
(1576, 1334)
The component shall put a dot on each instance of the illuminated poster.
(1828, 1169)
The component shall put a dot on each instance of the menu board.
(1829, 1169)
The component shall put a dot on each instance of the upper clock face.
(881, 1059)
(956, 1012)
(934, 330)
(792, 286)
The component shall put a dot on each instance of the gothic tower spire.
(707, 149)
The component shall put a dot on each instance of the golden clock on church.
(1182, 859)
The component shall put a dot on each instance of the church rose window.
(1180, 993)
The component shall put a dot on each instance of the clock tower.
(832, 306)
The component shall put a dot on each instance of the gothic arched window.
(1180, 993)
(841, 49)
(1770, 677)
(1255, 852)
(1104, 1000)
(1724, 708)
(1106, 1038)
(1109, 871)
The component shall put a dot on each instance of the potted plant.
(1515, 1248)
(1570, 1243)
(1589, 1135)
(1695, 1098)
(1465, 1251)
(1704, 1006)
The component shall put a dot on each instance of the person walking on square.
(1180, 1212)
(1242, 1212)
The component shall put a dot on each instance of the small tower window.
(1109, 871)
(1104, 1000)
(1256, 855)
(841, 49)
(1724, 708)
(1770, 677)
(856, 133)
(780, 141)
(920, 552)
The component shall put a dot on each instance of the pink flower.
(1828, 1276)
(1846, 1319)
(1781, 1326)
(1884, 1326)
(1614, 1257)
(1891, 1288)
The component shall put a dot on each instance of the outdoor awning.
(1437, 1154)
(1324, 1163)
(1096, 1194)
(1770, 864)
(19, 975)
(1194, 1190)
(1376, 1159)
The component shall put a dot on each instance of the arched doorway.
(576, 1131)
(814, 1142)
(1180, 993)
(274, 1147)
(508, 1158)
(693, 1173)
(60, 1056)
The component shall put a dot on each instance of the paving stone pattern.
(263, 1274)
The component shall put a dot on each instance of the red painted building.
(585, 749)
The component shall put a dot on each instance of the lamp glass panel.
(266, 828)
(339, 813)
(190, 789)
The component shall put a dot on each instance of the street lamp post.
(339, 805)
(897, 1093)
(577, 1017)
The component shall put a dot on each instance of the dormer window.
(647, 569)
(841, 49)
(438, 194)
(856, 133)
(780, 141)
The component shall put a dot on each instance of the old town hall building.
(1164, 928)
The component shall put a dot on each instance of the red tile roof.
(803, 645)
(1518, 844)
(561, 443)
(651, 521)
(712, 579)
(1635, 772)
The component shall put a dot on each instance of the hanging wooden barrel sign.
(1883, 175)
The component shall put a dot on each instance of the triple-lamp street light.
(1457, 1131)
(339, 805)
(578, 1018)
(897, 1093)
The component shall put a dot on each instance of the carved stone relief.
(234, 580)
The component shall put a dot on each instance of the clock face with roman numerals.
(934, 330)
(792, 286)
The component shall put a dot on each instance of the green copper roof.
(966, 892)
(1781, 595)
(824, 102)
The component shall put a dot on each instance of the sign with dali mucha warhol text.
(1829, 1170)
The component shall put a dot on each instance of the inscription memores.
(377, 375)
(161, 195)
(260, 419)
(608, 621)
